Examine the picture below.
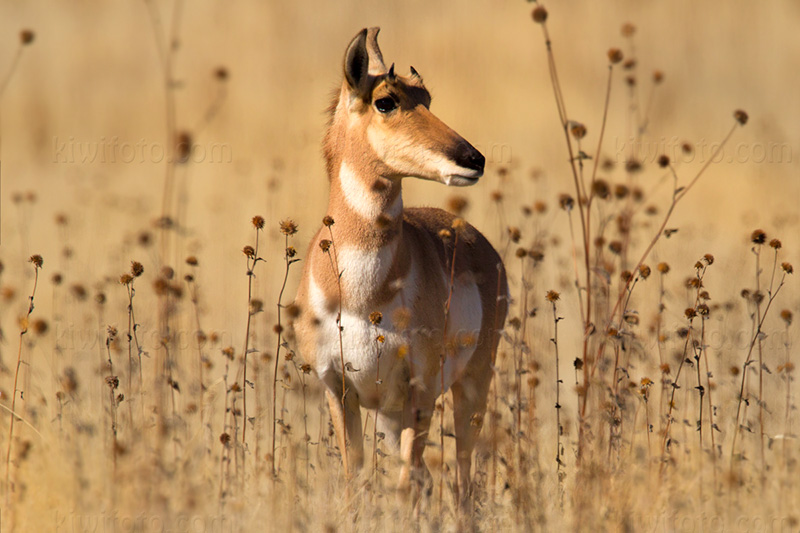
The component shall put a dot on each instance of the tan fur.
(390, 257)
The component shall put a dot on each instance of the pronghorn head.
(389, 115)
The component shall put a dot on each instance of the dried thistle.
(288, 226)
(614, 55)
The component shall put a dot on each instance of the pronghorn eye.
(384, 105)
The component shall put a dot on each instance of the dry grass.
(661, 398)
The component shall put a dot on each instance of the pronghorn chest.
(371, 352)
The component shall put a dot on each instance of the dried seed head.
(663, 161)
(758, 237)
(183, 148)
(601, 189)
(167, 272)
(290, 252)
(539, 14)
(26, 37)
(57, 278)
(540, 207)
(578, 130)
(258, 222)
(514, 234)
(256, 306)
(615, 247)
(457, 204)
(632, 165)
(445, 234)
(629, 64)
(521, 252)
(644, 271)
(288, 226)
(703, 310)
(536, 254)
(496, 196)
(626, 276)
(614, 55)
(787, 267)
(658, 77)
(628, 29)
(191, 261)
(221, 73)
(125, 279)
(690, 312)
(631, 81)
(225, 439)
(375, 318)
(459, 225)
(144, 239)
(552, 296)
(566, 202)
(293, 311)
(249, 251)
(740, 116)
(709, 259)
(515, 323)
(37, 260)
(327, 221)
(325, 245)
(136, 269)
(228, 352)
(786, 315)
(621, 191)
(39, 326)
(776, 243)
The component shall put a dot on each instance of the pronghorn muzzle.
(465, 155)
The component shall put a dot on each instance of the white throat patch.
(361, 199)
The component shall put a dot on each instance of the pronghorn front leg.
(347, 427)
(412, 444)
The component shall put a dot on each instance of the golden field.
(88, 121)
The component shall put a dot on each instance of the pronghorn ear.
(363, 62)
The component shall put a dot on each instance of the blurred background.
(84, 138)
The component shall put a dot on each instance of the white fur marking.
(364, 272)
(361, 199)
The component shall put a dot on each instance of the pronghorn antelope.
(399, 262)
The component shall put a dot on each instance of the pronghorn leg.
(349, 439)
(412, 445)
(469, 406)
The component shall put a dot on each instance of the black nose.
(465, 155)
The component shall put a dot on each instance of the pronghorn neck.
(366, 206)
